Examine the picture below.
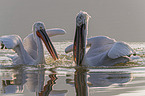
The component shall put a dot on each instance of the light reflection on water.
(61, 78)
(39, 81)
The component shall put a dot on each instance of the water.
(62, 78)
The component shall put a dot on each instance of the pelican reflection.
(13, 82)
(105, 79)
(85, 80)
(30, 81)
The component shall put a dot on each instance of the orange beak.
(43, 35)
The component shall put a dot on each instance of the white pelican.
(30, 50)
(103, 51)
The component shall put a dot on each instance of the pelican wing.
(69, 48)
(14, 42)
(55, 31)
(10, 41)
(120, 49)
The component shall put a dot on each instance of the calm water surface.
(61, 78)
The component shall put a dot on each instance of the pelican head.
(39, 31)
(80, 37)
(82, 18)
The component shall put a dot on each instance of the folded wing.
(120, 49)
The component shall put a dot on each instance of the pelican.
(30, 50)
(103, 51)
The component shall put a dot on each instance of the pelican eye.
(40, 27)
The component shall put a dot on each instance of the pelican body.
(103, 51)
(30, 50)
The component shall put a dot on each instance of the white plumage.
(103, 51)
(30, 50)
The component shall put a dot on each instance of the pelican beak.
(43, 35)
(79, 44)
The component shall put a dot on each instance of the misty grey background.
(123, 20)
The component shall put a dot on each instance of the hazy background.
(123, 20)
